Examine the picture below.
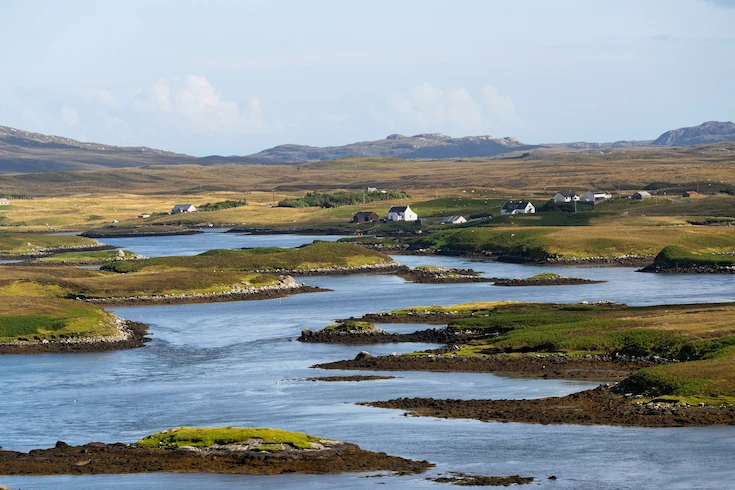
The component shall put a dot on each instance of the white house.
(453, 220)
(517, 207)
(592, 196)
(4, 202)
(184, 208)
(401, 213)
(565, 197)
(641, 195)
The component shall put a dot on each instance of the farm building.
(641, 195)
(562, 196)
(517, 207)
(401, 213)
(365, 217)
(594, 196)
(690, 194)
(4, 202)
(184, 208)
(453, 220)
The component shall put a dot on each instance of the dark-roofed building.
(184, 208)
(689, 194)
(365, 217)
(641, 195)
(517, 207)
(401, 213)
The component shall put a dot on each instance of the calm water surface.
(238, 364)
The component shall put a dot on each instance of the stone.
(363, 355)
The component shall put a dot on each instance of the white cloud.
(194, 101)
(427, 108)
(69, 116)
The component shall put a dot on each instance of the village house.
(517, 207)
(184, 208)
(641, 195)
(365, 217)
(401, 213)
(371, 189)
(4, 202)
(562, 196)
(453, 220)
(594, 196)
(689, 194)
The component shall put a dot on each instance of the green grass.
(526, 243)
(24, 318)
(17, 243)
(205, 437)
(351, 326)
(675, 256)
(467, 207)
(94, 257)
(700, 337)
(544, 276)
(316, 255)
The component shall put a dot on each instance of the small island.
(668, 365)
(434, 274)
(544, 279)
(679, 260)
(251, 451)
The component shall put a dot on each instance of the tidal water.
(239, 364)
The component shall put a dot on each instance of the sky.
(236, 77)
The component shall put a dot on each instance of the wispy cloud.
(428, 108)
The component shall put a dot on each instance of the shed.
(184, 208)
(641, 195)
(690, 194)
(365, 217)
(4, 202)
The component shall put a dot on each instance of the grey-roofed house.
(566, 196)
(184, 208)
(453, 220)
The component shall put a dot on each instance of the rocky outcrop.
(248, 458)
(380, 336)
(706, 133)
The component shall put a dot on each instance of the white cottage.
(565, 197)
(184, 208)
(4, 202)
(454, 220)
(517, 207)
(401, 213)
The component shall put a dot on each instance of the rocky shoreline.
(328, 457)
(133, 233)
(130, 336)
(550, 366)
(380, 336)
(600, 406)
(45, 252)
(698, 269)
(242, 294)
(558, 281)
(337, 270)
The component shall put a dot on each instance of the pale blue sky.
(236, 77)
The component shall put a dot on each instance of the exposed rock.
(709, 132)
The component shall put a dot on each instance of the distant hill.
(26, 152)
(709, 132)
(420, 146)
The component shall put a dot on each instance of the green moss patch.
(205, 437)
